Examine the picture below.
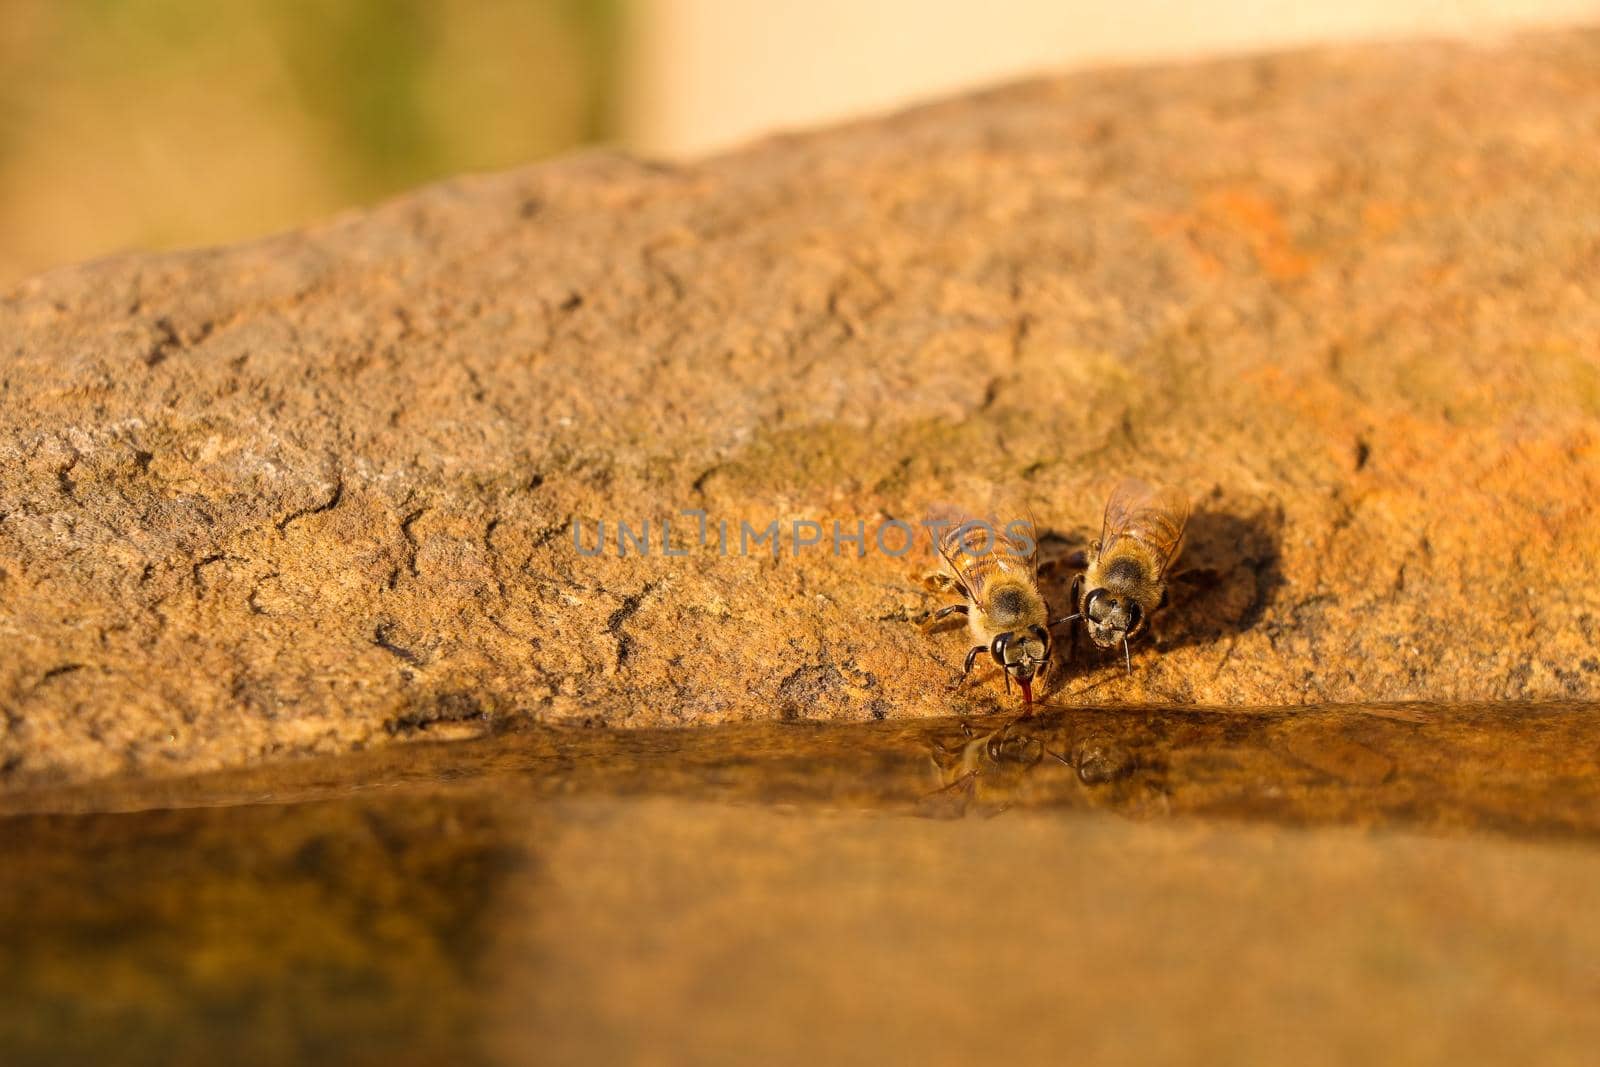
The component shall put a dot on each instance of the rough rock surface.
(318, 492)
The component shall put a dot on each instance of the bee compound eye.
(1097, 604)
(1135, 613)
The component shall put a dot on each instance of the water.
(1411, 884)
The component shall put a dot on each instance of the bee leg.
(934, 621)
(1072, 602)
(998, 651)
(967, 665)
(1077, 615)
(938, 581)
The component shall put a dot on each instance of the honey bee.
(1126, 576)
(996, 570)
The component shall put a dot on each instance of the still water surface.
(1406, 884)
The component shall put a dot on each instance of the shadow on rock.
(1228, 576)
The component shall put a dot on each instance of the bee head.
(1111, 619)
(1022, 654)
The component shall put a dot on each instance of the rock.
(318, 492)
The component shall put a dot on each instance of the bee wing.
(949, 527)
(974, 548)
(1028, 528)
(1155, 516)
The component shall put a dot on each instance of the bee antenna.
(1127, 654)
(1066, 618)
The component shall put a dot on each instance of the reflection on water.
(1121, 885)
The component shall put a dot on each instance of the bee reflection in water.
(1027, 761)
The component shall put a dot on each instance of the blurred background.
(162, 123)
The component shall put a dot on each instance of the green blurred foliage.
(150, 123)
